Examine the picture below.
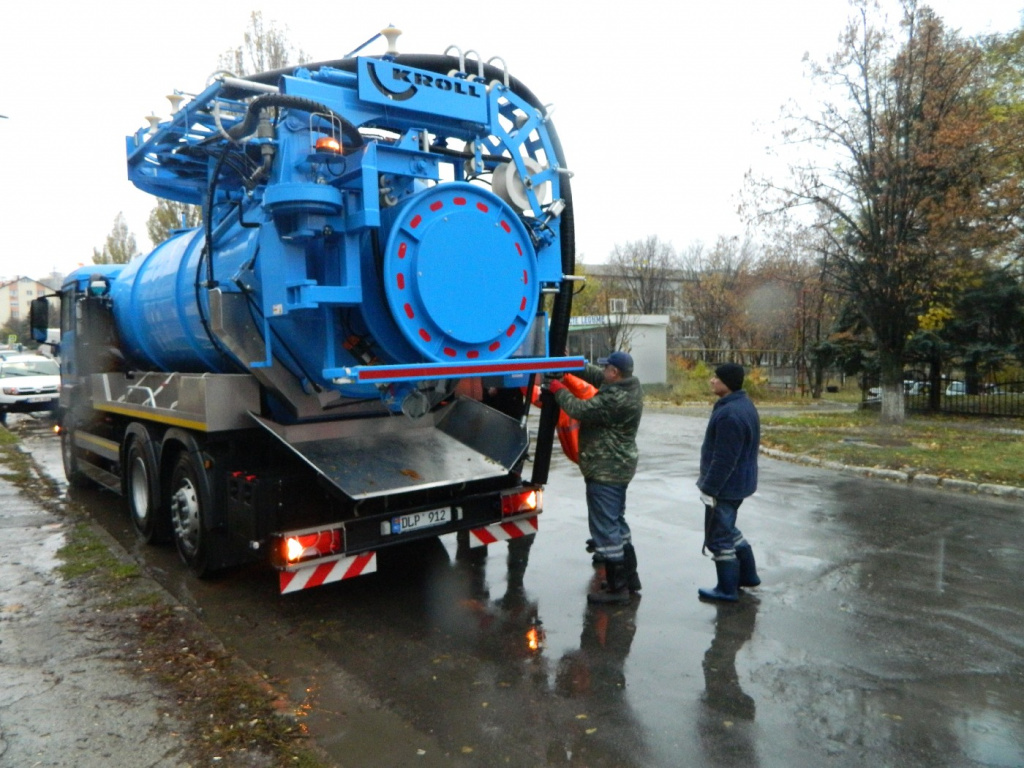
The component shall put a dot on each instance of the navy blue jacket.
(728, 457)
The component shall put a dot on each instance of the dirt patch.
(238, 717)
(877, 442)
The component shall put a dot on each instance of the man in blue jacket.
(728, 475)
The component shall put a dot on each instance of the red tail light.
(300, 547)
(521, 501)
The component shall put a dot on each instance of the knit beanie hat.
(730, 374)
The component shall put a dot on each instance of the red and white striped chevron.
(325, 573)
(513, 529)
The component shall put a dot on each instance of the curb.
(912, 478)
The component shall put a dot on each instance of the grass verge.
(986, 451)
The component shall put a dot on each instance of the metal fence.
(955, 397)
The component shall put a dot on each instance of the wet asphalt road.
(887, 632)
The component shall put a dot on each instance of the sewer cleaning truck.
(332, 363)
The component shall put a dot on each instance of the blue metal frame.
(387, 257)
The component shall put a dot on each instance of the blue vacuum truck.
(333, 362)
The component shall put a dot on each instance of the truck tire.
(72, 471)
(142, 489)
(189, 504)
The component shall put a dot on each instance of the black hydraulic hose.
(211, 192)
(204, 320)
(440, 64)
(558, 335)
(350, 133)
(243, 222)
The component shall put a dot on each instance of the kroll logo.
(403, 84)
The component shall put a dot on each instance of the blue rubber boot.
(728, 587)
(748, 568)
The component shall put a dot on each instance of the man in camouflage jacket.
(608, 457)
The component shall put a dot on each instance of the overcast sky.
(660, 110)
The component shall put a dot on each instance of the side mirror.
(39, 318)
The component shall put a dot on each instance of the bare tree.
(711, 288)
(644, 270)
(791, 304)
(120, 246)
(601, 297)
(264, 48)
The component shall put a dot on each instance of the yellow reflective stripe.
(159, 417)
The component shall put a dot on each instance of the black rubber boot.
(632, 579)
(616, 589)
(728, 587)
(748, 568)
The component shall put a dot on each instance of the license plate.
(416, 520)
(39, 399)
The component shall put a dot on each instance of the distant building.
(16, 296)
(646, 342)
(682, 330)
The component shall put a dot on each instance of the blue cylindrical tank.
(160, 312)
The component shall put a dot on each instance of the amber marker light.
(533, 639)
(328, 144)
(535, 636)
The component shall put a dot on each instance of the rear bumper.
(299, 577)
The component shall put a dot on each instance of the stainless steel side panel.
(371, 457)
(208, 402)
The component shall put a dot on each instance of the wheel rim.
(185, 513)
(139, 479)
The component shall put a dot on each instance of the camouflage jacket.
(608, 424)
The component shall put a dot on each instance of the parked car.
(916, 387)
(956, 389)
(28, 384)
(910, 387)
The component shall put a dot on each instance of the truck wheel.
(72, 471)
(142, 489)
(189, 504)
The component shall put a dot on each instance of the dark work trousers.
(606, 513)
